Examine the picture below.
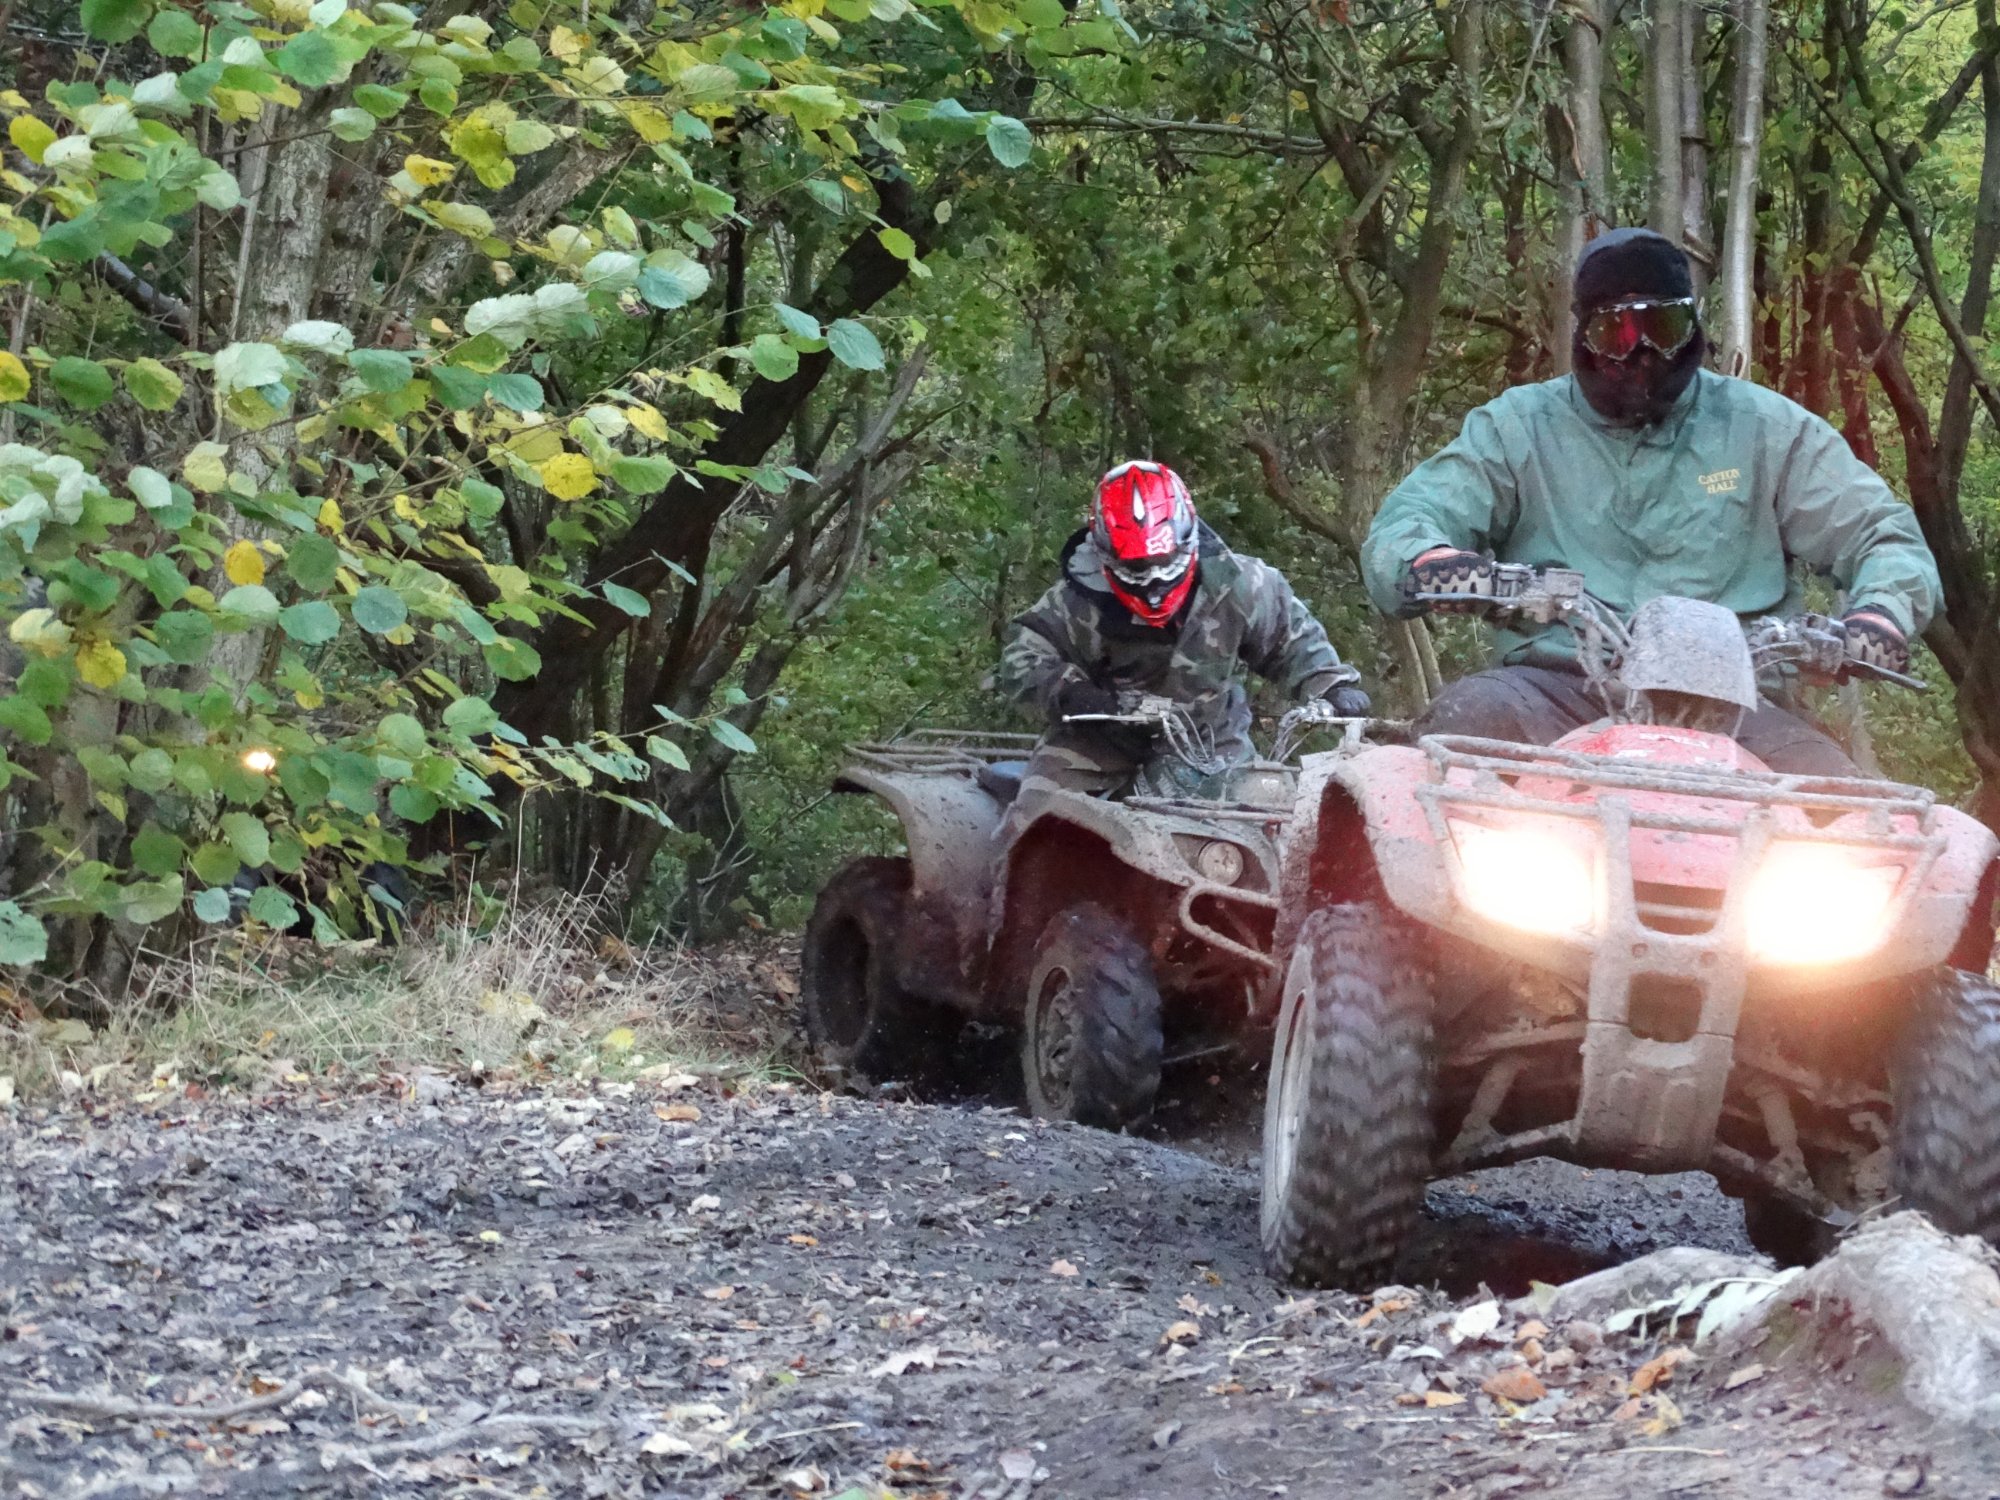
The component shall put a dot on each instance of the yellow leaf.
(566, 44)
(13, 377)
(652, 125)
(100, 664)
(568, 476)
(428, 170)
(620, 1040)
(33, 136)
(243, 563)
(648, 420)
(40, 632)
(203, 468)
(329, 516)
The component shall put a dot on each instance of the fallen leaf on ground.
(802, 1239)
(1164, 1436)
(1475, 1322)
(1658, 1370)
(1062, 1268)
(807, 1480)
(719, 1293)
(1017, 1463)
(1182, 1332)
(1666, 1417)
(1194, 1306)
(1517, 1383)
(1382, 1310)
(1744, 1376)
(1443, 1398)
(666, 1442)
(1534, 1328)
(901, 1459)
(677, 1114)
(924, 1355)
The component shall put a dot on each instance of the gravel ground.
(670, 1292)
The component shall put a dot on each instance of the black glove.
(1874, 642)
(1348, 701)
(1085, 697)
(1451, 572)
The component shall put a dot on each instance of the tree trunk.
(1666, 58)
(1746, 138)
(1697, 227)
(1581, 165)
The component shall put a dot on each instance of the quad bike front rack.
(1651, 1095)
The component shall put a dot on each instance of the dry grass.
(545, 991)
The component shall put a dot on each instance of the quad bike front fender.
(950, 826)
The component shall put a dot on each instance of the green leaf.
(212, 905)
(800, 324)
(273, 908)
(1009, 141)
(184, 635)
(730, 737)
(383, 371)
(642, 476)
(666, 752)
(156, 852)
(149, 901)
(175, 33)
(310, 60)
(114, 21)
(412, 803)
(897, 243)
(215, 863)
(380, 102)
(312, 562)
(459, 390)
(248, 836)
(349, 124)
(26, 718)
(773, 358)
(522, 393)
(313, 623)
(151, 383)
(471, 716)
(631, 601)
(82, 382)
(252, 602)
(670, 279)
(378, 610)
(512, 660)
(402, 734)
(151, 770)
(23, 939)
(854, 345)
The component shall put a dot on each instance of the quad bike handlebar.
(1193, 743)
(1816, 645)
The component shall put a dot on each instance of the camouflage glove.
(1446, 570)
(1348, 701)
(1083, 696)
(1874, 642)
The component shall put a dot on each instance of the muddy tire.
(1347, 1112)
(857, 1018)
(1946, 1084)
(1090, 1029)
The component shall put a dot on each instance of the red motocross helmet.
(1144, 528)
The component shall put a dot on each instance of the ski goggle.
(1148, 579)
(1617, 332)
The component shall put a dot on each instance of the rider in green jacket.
(1651, 476)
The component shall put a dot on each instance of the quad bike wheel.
(1946, 1084)
(1790, 1236)
(1347, 1113)
(1090, 1031)
(859, 1020)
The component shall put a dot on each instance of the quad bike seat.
(1001, 780)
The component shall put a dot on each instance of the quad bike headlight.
(1817, 904)
(1529, 875)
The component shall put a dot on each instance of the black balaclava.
(1632, 263)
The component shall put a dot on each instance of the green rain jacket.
(1712, 504)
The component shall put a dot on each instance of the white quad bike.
(1637, 947)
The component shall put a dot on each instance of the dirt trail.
(790, 1294)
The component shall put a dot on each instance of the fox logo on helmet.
(1143, 526)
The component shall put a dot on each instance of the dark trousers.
(1539, 705)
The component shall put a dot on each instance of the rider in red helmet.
(1152, 601)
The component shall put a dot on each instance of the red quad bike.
(1115, 936)
(1635, 948)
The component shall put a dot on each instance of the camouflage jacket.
(1242, 614)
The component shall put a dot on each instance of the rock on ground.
(632, 1292)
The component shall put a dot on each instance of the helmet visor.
(1617, 332)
